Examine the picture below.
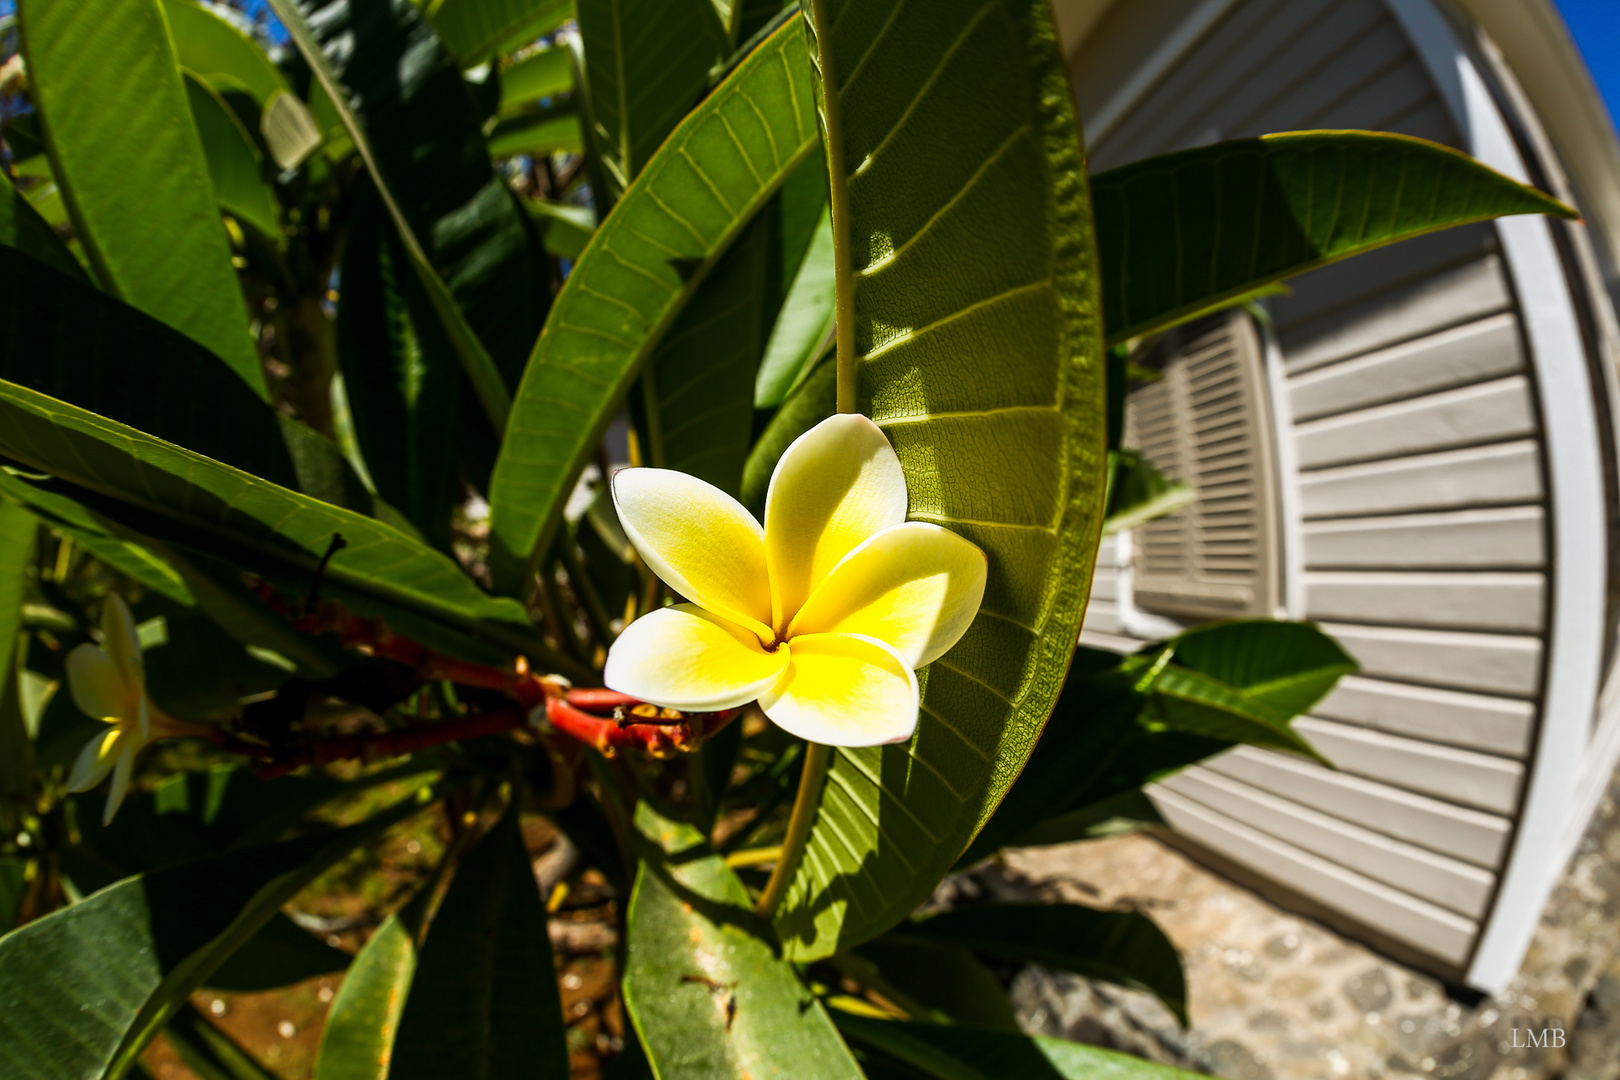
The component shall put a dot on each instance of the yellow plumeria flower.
(108, 682)
(823, 615)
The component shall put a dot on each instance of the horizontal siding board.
(1436, 878)
(1102, 616)
(1490, 412)
(1471, 836)
(1462, 601)
(1118, 643)
(1491, 725)
(1500, 475)
(1505, 664)
(1105, 584)
(1425, 926)
(1510, 538)
(1363, 81)
(1337, 287)
(1461, 295)
(1475, 352)
(1442, 772)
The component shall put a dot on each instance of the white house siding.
(1421, 494)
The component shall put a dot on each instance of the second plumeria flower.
(823, 614)
(108, 682)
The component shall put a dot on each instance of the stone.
(1369, 991)
(1282, 946)
(1295, 985)
(1234, 1061)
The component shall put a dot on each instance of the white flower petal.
(914, 586)
(96, 760)
(844, 690)
(121, 640)
(683, 657)
(837, 484)
(120, 781)
(95, 683)
(699, 540)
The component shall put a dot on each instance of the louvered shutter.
(1207, 424)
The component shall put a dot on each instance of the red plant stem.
(376, 746)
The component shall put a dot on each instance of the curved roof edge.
(1537, 46)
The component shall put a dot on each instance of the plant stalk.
(838, 203)
(817, 760)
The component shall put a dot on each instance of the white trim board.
(1575, 632)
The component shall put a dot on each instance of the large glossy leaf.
(549, 73)
(478, 30)
(176, 495)
(1184, 232)
(18, 530)
(646, 63)
(483, 1002)
(968, 330)
(812, 401)
(421, 139)
(168, 929)
(965, 1053)
(104, 77)
(357, 1042)
(234, 163)
(943, 983)
(716, 171)
(1121, 947)
(804, 328)
(22, 227)
(709, 998)
(214, 49)
(402, 375)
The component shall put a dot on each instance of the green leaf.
(811, 402)
(947, 982)
(708, 996)
(1183, 232)
(65, 338)
(1120, 947)
(104, 77)
(234, 163)
(214, 49)
(1289, 666)
(483, 1002)
(565, 229)
(646, 63)
(630, 285)
(401, 374)
(1093, 750)
(969, 331)
(173, 494)
(549, 73)
(421, 140)
(22, 227)
(965, 1053)
(698, 390)
(1198, 704)
(804, 328)
(1139, 492)
(166, 930)
(478, 30)
(357, 1042)
(536, 134)
(18, 531)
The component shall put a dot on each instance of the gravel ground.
(1274, 996)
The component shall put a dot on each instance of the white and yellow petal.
(836, 485)
(914, 586)
(97, 759)
(684, 657)
(122, 772)
(95, 682)
(122, 641)
(699, 540)
(844, 690)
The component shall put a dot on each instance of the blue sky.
(1595, 25)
